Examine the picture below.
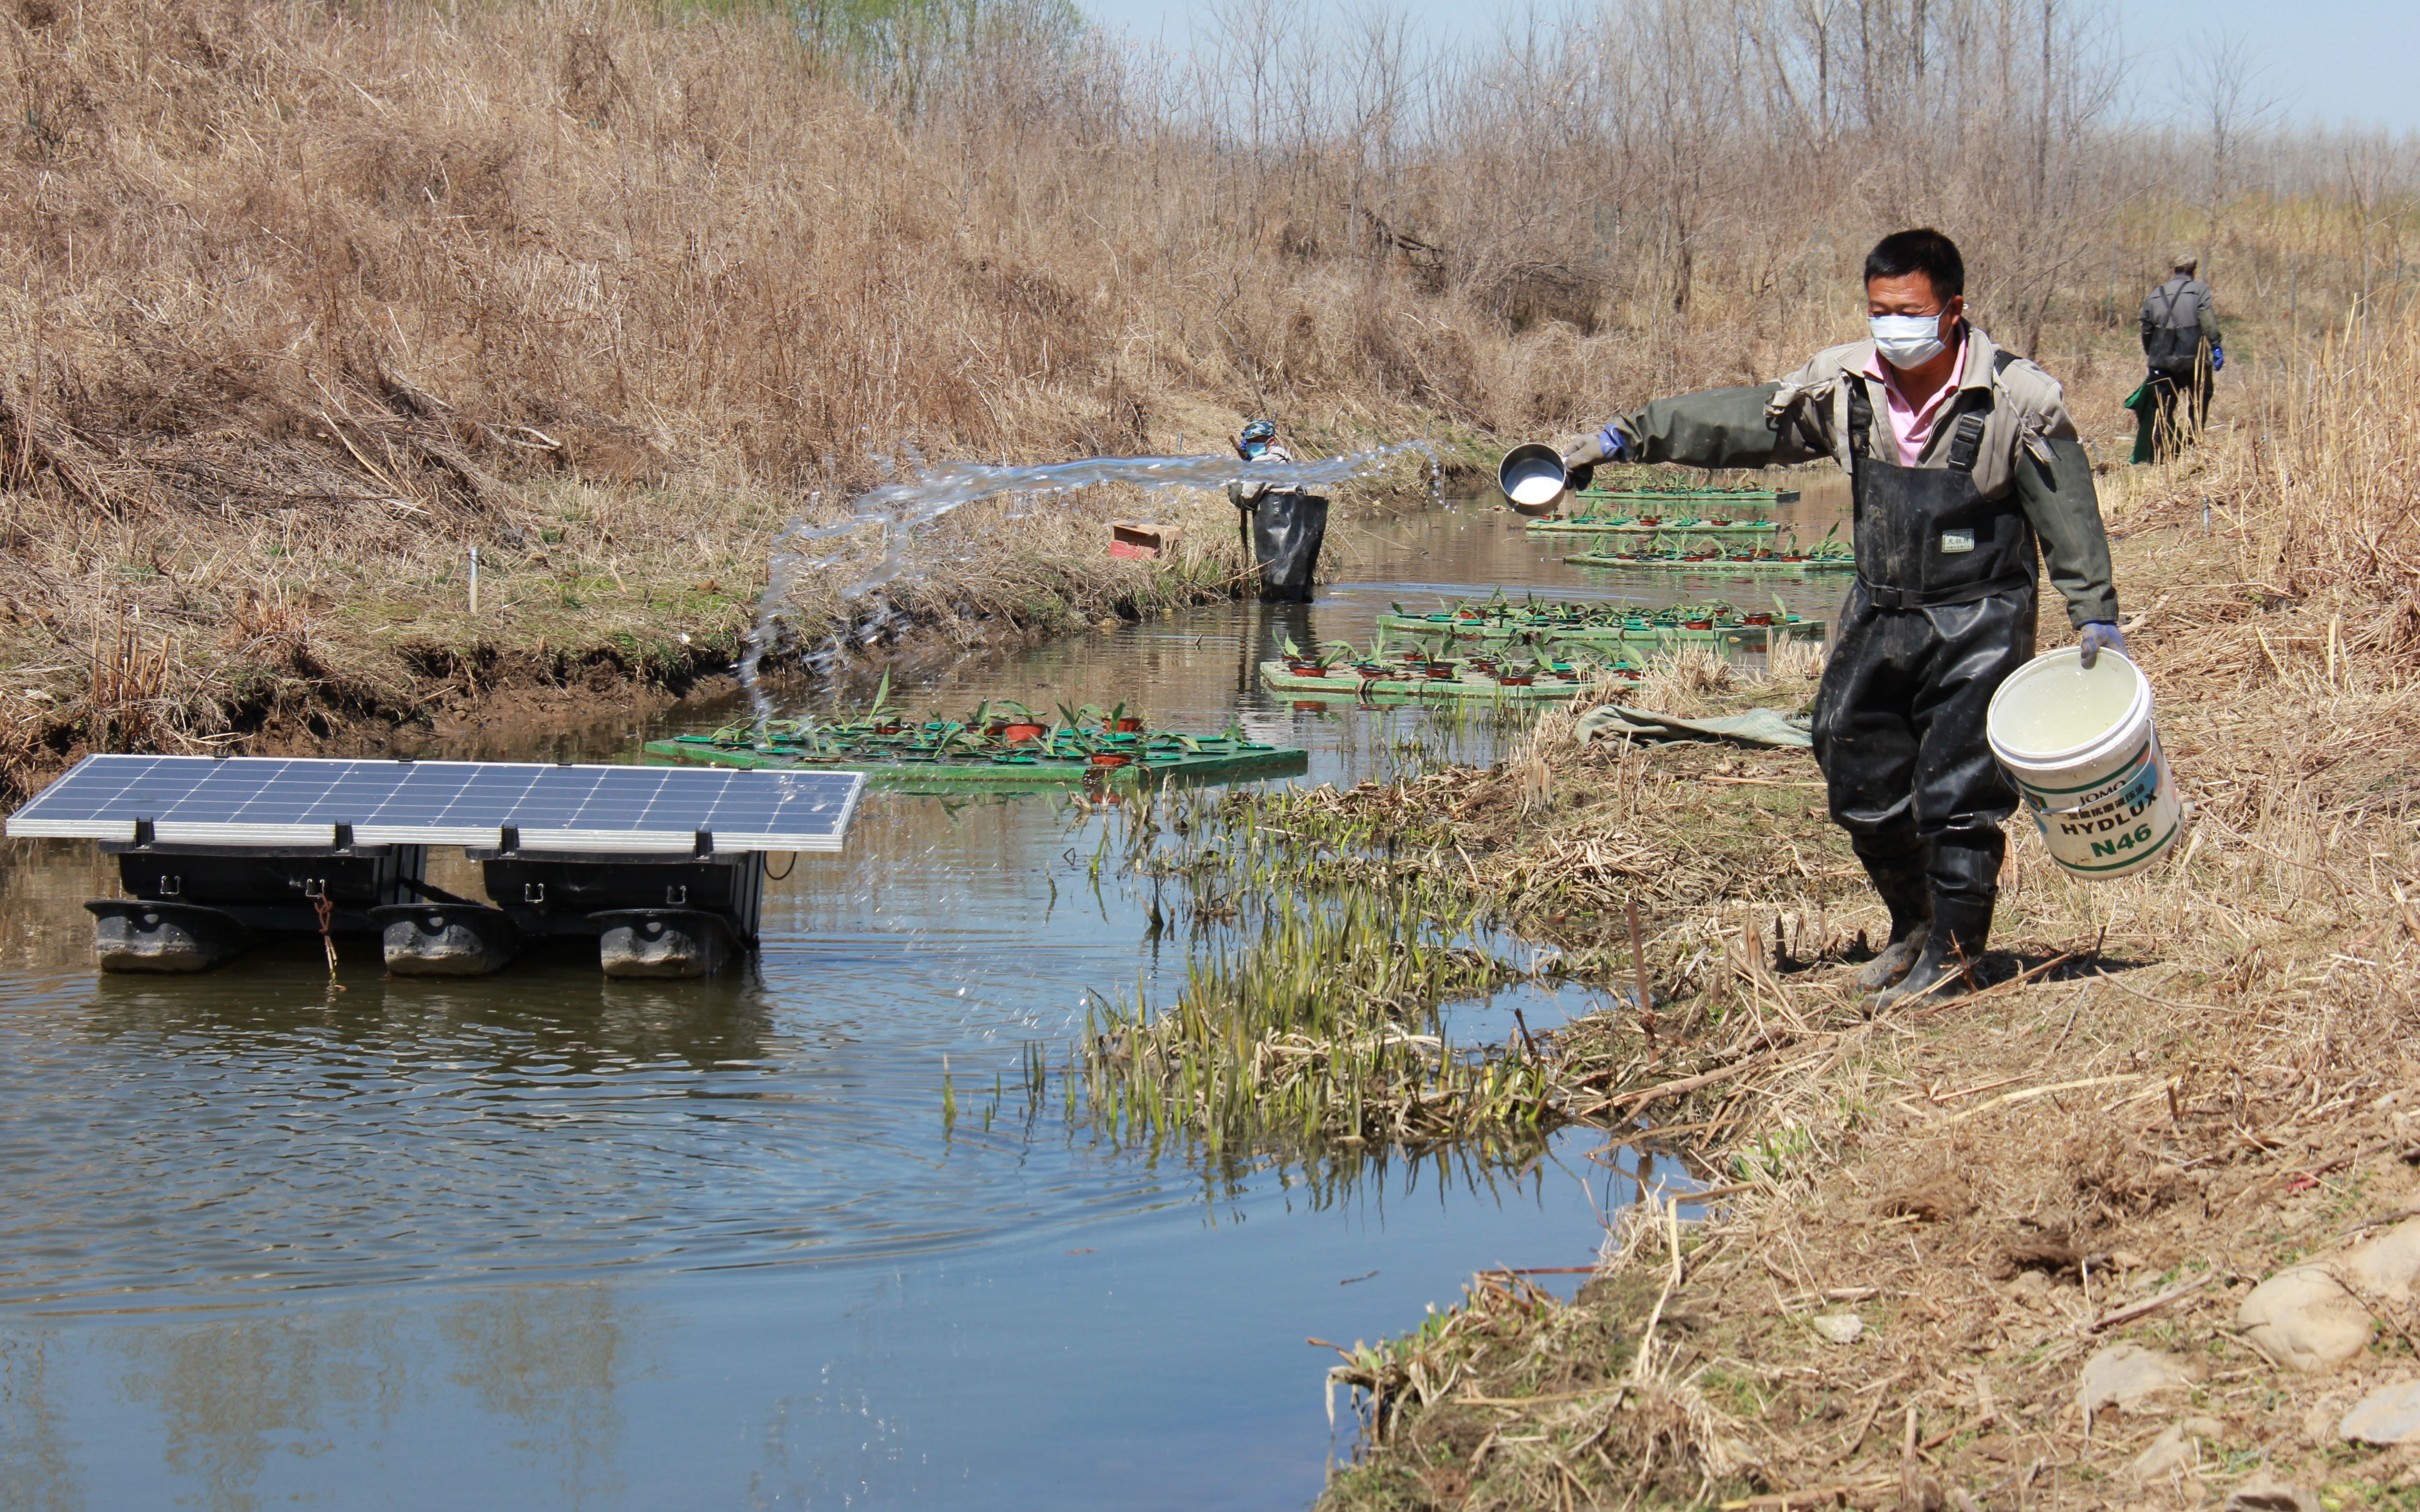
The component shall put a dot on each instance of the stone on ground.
(2312, 1317)
(1841, 1328)
(2129, 1376)
(2170, 1452)
(2390, 1415)
(2272, 1496)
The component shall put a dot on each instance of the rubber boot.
(1963, 880)
(1895, 864)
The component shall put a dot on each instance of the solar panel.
(262, 800)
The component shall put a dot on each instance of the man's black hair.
(1921, 251)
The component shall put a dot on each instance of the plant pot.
(1515, 680)
(1110, 757)
(891, 727)
(1441, 675)
(1020, 734)
(1127, 726)
(1308, 672)
(1697, 624)
(1758, 619)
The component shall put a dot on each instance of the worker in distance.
(1961, 458)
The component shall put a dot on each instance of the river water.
(547, 1241)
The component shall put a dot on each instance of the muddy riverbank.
(174, 630)
(1942, 1232)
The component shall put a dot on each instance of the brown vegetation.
(302, 303)
(2202, 1077)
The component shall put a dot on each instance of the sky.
(2325, 62)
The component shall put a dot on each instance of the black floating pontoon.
(660, 865)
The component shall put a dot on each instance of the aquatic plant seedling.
(1503, 681)
(1825, 557)
(1718, 528)
(1000, 744)
(1684, 493)
(1596, 625)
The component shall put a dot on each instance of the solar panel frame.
(300, 800)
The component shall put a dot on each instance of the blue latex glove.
(2217, 358)
(2098, 637)
(1607, 445)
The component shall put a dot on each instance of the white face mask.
(1906, 341)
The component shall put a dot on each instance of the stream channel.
(542, 1240)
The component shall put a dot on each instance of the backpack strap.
(1861, 419)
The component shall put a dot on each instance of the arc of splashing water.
(933, 491)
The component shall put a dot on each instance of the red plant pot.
(1697, 624)
(1110, 757)
(1125, 727)
(1020, 734)
(1515, 680)
(1305, 669)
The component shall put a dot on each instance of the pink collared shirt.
(1912, 427)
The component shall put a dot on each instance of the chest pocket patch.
(1954, 541)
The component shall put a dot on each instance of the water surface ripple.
(542, 1240)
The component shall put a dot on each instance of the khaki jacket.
(2029, 445)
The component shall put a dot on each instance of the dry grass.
(2209, 1082)
(302, 303)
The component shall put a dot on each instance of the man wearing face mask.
(1285, 526)
(1963, 462)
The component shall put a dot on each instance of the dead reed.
(2197, 1079)
(303, 303)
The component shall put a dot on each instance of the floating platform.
(1159, 758)
(1716, 499)
(1370, 685)
(1657, 525)
(663, 867)
(1678, 561)
(1595, 626)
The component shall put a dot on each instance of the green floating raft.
(1473, 678)
(1657, 525)
(1823, 559)
(1716, 499)
(991, 750)
(1598, 625)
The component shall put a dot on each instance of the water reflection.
(545, 1240)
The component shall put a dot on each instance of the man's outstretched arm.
(1711, 428)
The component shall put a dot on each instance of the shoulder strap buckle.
(1966, 441)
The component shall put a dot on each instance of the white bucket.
(2080, 745)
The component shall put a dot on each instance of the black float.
(663, 866)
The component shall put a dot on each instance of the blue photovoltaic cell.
(280, 801)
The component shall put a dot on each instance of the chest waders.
(1287, 530)
(2180, 364)
(1941, 613)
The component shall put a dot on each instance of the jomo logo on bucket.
(2080, 747)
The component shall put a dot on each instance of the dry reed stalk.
(2206, 1075)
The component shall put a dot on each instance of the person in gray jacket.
(2181, 348)
(1965, 470)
